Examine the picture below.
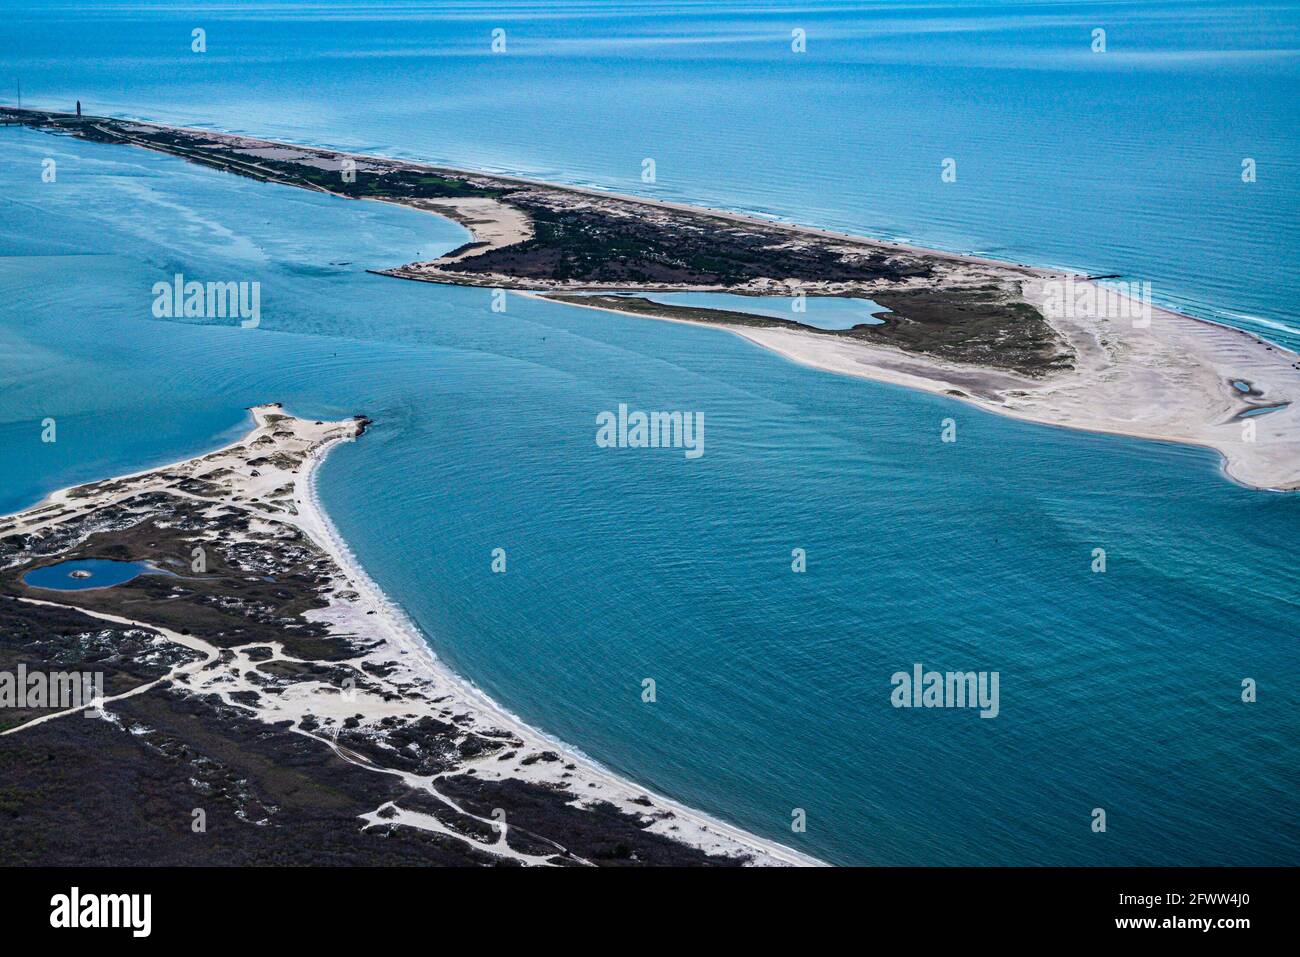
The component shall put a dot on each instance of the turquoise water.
(824, 312)
(1127, 161)
(84, 573)
(1118, 690)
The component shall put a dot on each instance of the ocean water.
(1127, 161)
(1118, 690)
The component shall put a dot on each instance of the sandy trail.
(397, 675)
(208, 652)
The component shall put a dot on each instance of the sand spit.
(1164, 376)
(266, 484)
(1177, 379)
(1167, 377)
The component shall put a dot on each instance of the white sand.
(405, 679)
(1171, 381)
(491, 223)
(590, 781)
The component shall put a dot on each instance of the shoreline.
(813, 361)
(407, 637)
(57, 495)
(737, 216)
(351, 671)
(985, 331)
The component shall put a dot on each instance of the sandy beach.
(1173, 382)
(1178, 379)
(391, 626)
(270, 476)
(970, 328)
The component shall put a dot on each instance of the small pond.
(84, 573)
(823, 312)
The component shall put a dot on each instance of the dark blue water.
(84, 573)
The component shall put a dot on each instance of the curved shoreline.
(810, 359)
(400, 630)
(1041, 345)
(402, 713)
